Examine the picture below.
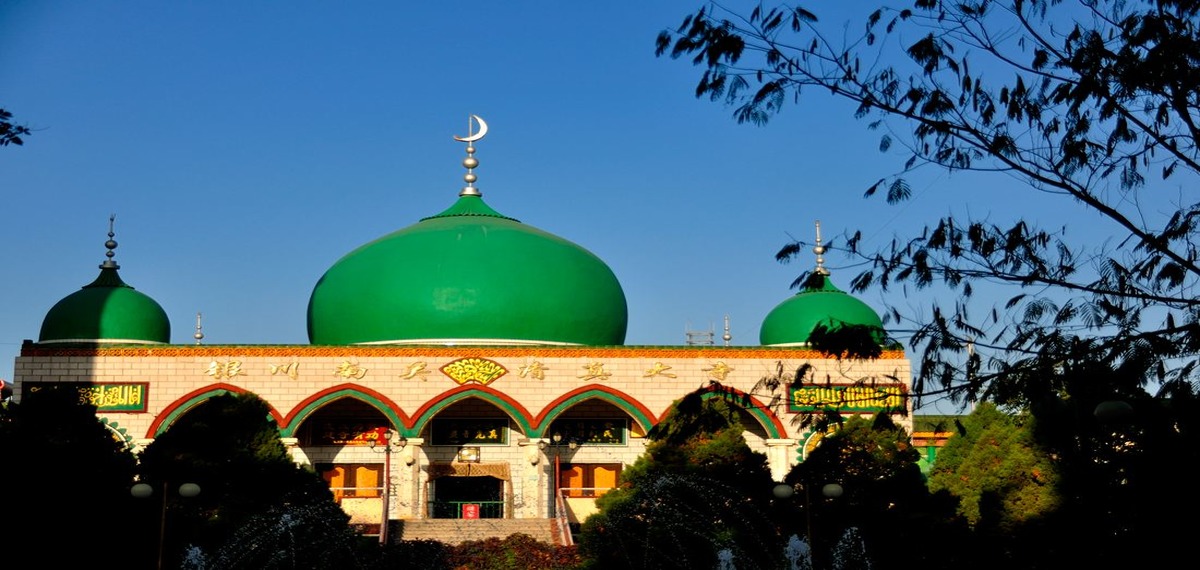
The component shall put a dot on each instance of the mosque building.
(444, 380)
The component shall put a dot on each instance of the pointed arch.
(370, 397)
(760, 411)
(626, 403)
(514, 409)
(179, 407)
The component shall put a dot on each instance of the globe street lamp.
(144, 491)
(829, 491)
(557, 445)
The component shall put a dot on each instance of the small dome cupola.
(106, 311)
(468, 275)
(819, 303)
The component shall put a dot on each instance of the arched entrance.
(340, 440)
(470, 445)
(467, 497)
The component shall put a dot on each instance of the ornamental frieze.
(477, 370)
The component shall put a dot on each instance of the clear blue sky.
(244, 147)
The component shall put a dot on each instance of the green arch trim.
(190, 400)
(767, 419)
(514, 410)
(119, 433)
(315, 402)
(623, 401)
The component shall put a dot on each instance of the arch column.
(779, 456)
(533, 496)
(405, 484)
(292, 446)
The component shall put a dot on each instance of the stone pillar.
(534, 491)
(139, 445)
(405, 502)
(292, 445)
(779, 457)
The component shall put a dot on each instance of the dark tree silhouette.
(11, 133)
(257, 508)
(69, 477)
(1086, 101)
(697, 490)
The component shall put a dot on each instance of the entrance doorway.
(456, 497)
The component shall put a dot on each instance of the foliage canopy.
(697, 490)
(1094, 102)
(995, 466)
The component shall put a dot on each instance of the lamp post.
(144, 491)
(387, 446)
(557, 445)
(829, 491)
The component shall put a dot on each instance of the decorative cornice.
(275, 351)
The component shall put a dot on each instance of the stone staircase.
(456, 531)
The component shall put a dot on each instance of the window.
(589, 479)
(360, 480)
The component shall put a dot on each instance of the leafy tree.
(698, 490)
(883, 498)
(257, 508)
(68, 479)
(1086, 101)
(515, 552)
(11, 133)
(995, 462)
(1121, 478)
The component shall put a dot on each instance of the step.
(457, 531)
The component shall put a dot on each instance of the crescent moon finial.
(483, 128)
(470, 162)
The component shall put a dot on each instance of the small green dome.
(468, 275)
(106, 311)
(819, 303)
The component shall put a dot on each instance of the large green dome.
(106, 311)
(468, 275)
(791, 323)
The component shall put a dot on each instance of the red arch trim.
(596, 388)
(175, 408)
(755, 403)
(391, 405)
(436, 400)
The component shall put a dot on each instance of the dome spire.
(107, 310)
(110, 245)
(199, 336)
(820, 251)
(470, 162)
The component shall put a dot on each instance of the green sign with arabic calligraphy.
(848, 398)
(130, 397)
